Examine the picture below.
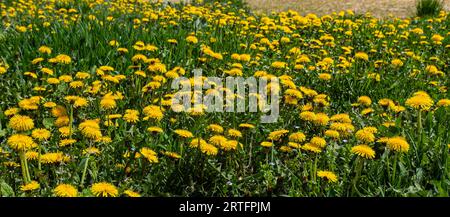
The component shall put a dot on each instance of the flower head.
(41, 134)
(65, 190)
(398, 144)
(33, 185)
(363, 151)
(421, 101)
(104, 189)
(328, 175)
(21, 123)
(21, 142)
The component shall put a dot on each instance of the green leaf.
(48, 122)
(2, 133)
(6, 190)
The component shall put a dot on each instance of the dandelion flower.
(365, 136)
(184, 133)
(208, 149)
(363, 151)
(91, 150)
(234, 133)
(155, 130)
(153, 112)
(149, 154)
(131, 193)
(230, 145)
(90, 129)
(65, 190)
(248, 126)
(21, 142)
(11, 111)
(172, 155)
(192, 39)
(420, 101)
(21, 123)
(131, 116)
(215, 128)
(443, 103)
(67, 142)
(104, 189)
(41, 134)
(197, 142)
(398, 144)
(311, 148)
(362, 56)
(332, 134)
(33, 185)
(277, 134)
(297, 137)
(108, 103)
(364, 100)
(328, 175)
(318, 142)
(31, 155)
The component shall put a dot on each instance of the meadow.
(85, 101)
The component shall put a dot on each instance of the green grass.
(428, 7)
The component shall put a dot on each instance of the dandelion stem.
(358, 168)
(26, 168)
(39, 157)
(22, 164)
(419, 123)
(395, 168)
(70, 122)
(83, 176)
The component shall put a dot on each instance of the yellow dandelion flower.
(398, 144)
(131, 116)
(21, 142)
(364, 151)
(332, 134)
(196, 142)
(67, 142)
(311, 148)
(328, 175)
(11, 111)
(215, 128)
(41, 134)
(155, 130)
(297, 137)
(65, 190)
(131, 193)
(51, 158)
(21, 123)
(33, 185)
(91, 150)
(266, 144)
(364, 100)
(365, 136)
(421, 101)
(153, 112)
(90, 129)
(31, 155)
(230, 145)
(318, 142)
(277, 135)
(149, 154)
(184, 133)
(104, 189)
(208, 149)
(172, 155)
(234, 133)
